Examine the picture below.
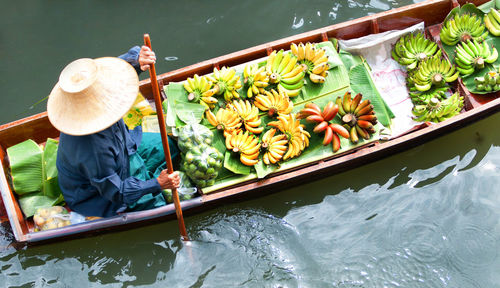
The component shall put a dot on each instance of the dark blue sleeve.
(101, 170)
(132, 57)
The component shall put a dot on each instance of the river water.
(427, 217)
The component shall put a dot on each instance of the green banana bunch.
(283, 70)
(462, 28)
(225, 82)
(255, 78)
(490, 82)
(439, 93)
(199, 91)
(438, 111)
(411, 49)
(433, 71)
(492, 21)
(472, 55)
(314, 61)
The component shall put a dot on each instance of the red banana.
(339, 129)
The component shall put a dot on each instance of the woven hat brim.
(95, 109)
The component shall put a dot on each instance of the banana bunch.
(462, 28)
(358, 116)
(274, 103)
(247, 145)
(314, 61)
(411, 49)
(437, 111)
(225, 119)
(313, 114)
(274, 147)
(472, 55)
(492, 21)
(424, 97)
(225, 82)
(490, 82)
(297, 137)
(199, 91)
(283, 70)
(249, 115)
(433, 71)
(255, 78)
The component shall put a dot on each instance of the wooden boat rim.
(353, 158)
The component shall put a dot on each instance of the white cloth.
(388, 75)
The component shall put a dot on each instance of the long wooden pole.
(164, 140)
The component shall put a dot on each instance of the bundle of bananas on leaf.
(490, 82)
(358, 117)
(462, 28)
(313, 114)
(273, 146)
(246, 145)
(314, 61)
(283, 70)
(492, 21)
(424, 97)
(433, 71)
(437, 111)
(472, 55)
(199, 91)
(225, 82)
(249, 115)
(225, 119)
(297, 137)
(274, 103)
(255, 78)
(411, 49)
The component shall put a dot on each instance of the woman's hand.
(169, 181)
(146, 57)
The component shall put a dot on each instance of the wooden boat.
(38, 128)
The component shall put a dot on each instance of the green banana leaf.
(50, 184)
(467, 8)
(26, 167)
(361, 82)
(232, 163)
(35, 168)
(179, 110)
(31, 202)
(485, 8)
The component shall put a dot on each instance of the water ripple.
(473, 247)
(424, 241)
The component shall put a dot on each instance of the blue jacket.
(94, 169)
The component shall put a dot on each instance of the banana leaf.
(35, 168)
(50, 183)
(26, 167)
(467, 8)
(179, 110)
(361, 82)
(31, 202)
(232, 163)
(337, 78)
(487, 6)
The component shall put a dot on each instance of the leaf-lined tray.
(339, 81)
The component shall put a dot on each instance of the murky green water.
(428, 217)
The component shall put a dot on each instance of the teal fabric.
(147, 164)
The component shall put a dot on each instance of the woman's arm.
(139, 57)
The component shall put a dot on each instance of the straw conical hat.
(92, 94)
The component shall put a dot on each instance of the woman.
(101, 171)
